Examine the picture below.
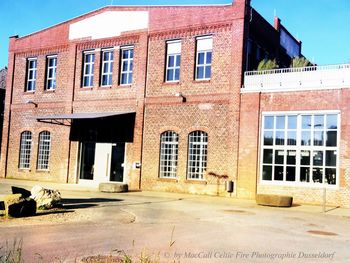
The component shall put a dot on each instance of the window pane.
(278, 173)
(280, 122)
(177, 74)
(207, 72)
(178, 60)
(304, 174)
(318, 158)
(317, 175)
(306, 122)
(331, 138)
(267, 172)
(267, 156)
(200, 72)
(268, 138)
(292, 138)
(292, 122)
(268, 122)
(208, 57)
(332, 121)
(170, 74)
(291, 157)
(290, 176)
(279, 138)
(318, 138)
(171, 61)
(305, 138)
(319, 122)
(331, 158)
(279, 156)
(305, 158)
(200, 58)
(330, 176)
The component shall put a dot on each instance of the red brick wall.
(336, 99)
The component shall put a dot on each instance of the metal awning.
(66, 119)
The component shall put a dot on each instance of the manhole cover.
(322, 233)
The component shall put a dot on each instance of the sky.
(322, 25)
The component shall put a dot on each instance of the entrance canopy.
(96, 126)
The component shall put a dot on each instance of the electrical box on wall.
(137, 165)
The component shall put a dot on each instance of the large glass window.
(168, 154)
(197, 155)
(88, 69)
(25, 150)
(31, 74)
(126, 67)
(204, 57)
(107, 68)
(300, 148)
(44, 150)
(173, 60)
(51, 68)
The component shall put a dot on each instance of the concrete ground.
(176, 228)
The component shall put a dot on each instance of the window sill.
(201, 81)
(124, 86)
(86, 88)
(105, 87)
(189, 181)
(43, 171)
(28, 92)
(24, 170)
(172, 180)
(171, 83)
(49, 90)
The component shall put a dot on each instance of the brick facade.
(216, 106)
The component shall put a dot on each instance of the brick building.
(154, 101)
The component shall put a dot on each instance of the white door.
(102, 167)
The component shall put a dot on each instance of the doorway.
(101, 162)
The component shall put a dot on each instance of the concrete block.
(274, 200)
(113, 187)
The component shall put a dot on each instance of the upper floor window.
(197, 155)
(25, 150)
(169, 141)
(51, 64)
(88, 69)
(203, 57)
(107, 68)
(127, 57)
(173, 61)
(44, 150)
(31, 74)
(300, 148)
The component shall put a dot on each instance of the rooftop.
(294, 79)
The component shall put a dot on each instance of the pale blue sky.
(322, 25)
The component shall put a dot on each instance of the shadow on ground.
(77, 203)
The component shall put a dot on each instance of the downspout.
(73, 94)
(144, 107)
(9, 122)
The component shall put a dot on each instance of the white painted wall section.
(108, 24)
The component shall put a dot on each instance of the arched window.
(197, 155)
(169, 141)
(44, 150)
(25, 150)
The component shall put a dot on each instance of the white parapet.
(294, 79)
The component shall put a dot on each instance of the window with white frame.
(197, 155)
(107, 68)
(126, 68)
(88, 69)
(44, 150)
(25, 150)
(31, 74)
(204, 57)
(173, 61)
(300, 148)
(169, 142)
(51, 68)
